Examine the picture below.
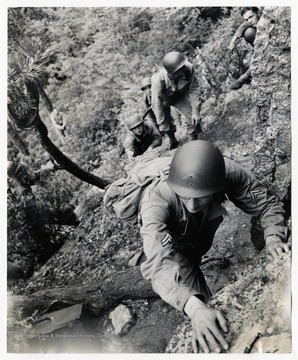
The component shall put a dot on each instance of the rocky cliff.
(271, 95)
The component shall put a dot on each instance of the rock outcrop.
(258, 309)
(271, 95)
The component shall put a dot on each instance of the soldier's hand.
(207, 327)
(130, 155)
(196, 119)
(275, 247)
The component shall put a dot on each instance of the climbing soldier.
(176, 84)
(173, 114)
(143, 135)
(179, 217)
(246, 30)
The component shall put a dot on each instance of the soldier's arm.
(238, 34)
(250, 195)
(195, 93)
(128, 145)
(160, 267)
(157, 99)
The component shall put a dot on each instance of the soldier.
(248, 31)
(179, 218)
(143, 135)
(173, 114)
(176, 84)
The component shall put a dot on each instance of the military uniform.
(185, 96)
(175, 240)
(139, 144)
(239, 33)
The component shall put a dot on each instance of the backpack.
(123, 196)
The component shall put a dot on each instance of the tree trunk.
(30, 118)
(19, 143)
(97, 297)
(63, 160)
(46, 99)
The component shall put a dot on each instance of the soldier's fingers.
(213, 344)
(269, 256)
(219, 337)
(222, 321)
(195, 344)
(286, 248)
(278, 250)
(203, 343)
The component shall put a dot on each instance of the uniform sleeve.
(241, 29)
(156, 136)
(160, 266)
(195, 94)
(145, 103)
(128, 142)
(250, 195)
(157, 98)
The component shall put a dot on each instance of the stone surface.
(256, 305)
(271, 95)
(122, 319)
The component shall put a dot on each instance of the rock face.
(257, 305)
(271, 95)
(258, 309)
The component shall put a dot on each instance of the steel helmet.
(197, 170)
(134, 120)
(145, 82)
(173, 61)
(250, 34)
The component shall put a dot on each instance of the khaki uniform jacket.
(164, 90)
(241, 29)
(139, 144)
(165, 226)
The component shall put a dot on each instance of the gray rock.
(122, 319)
(256, 306)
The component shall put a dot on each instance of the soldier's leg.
(243, 79)
(176, 115)
(183, 104)
(150, 116)
(170, 128)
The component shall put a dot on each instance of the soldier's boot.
(192, 137)
(195, 133)
(244, 79)
(173, 141)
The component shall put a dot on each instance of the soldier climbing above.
(248, 31)
(176, 84)
(143, 135)
(180, 215)
(173, 114)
